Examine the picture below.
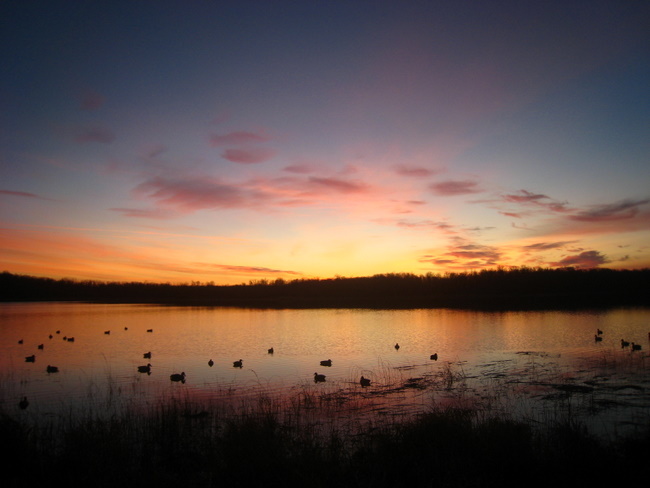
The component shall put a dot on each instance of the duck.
(597, 338)
(107, 332)
(396, 346)
(599, 332)
(270, 351)
(364, 382)
(23, 404)
(434, 356)
(636, 347)
(147, 355)
(40, 346)
(319, 377)
(70, 339)
(149, 330)
(30, 359)
(327, 362)
(20, 341)
(237, 364)
(52, 369)
(145, 369)
(178, 377)
(624, 343)
(211, 363)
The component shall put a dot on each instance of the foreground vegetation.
(518, 288)
(169, 447)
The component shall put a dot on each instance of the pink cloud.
(299, 168)
(454, 187)
(238, 138)
(94, 134)
(248, 156)
(414, 171)
(339, 185)
(157, 213)
(188, 195)
(511, 214)
(586, 259)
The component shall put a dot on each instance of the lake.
(528, 363)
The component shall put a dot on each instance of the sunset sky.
(229, 141)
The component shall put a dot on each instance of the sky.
(237, 141)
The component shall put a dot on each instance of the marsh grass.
(335, 433)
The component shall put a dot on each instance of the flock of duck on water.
(180, 377)
(318, 377)
(635, 347)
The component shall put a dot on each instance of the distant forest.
(505, 289)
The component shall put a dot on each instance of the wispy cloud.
(430, 224)
(546, 246)
(525, 197)
(156, 213)
(339, 185)
(414, 171)
(248, 156)
(23, 194)
(462, 254)
(247, 270)
(300, 168)
(455, 187)
(624, 209)
(192, 194)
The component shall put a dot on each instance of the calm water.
(516, 359)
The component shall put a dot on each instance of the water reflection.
(509, 360)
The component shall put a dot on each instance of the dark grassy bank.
(452, 448)
(519, 288)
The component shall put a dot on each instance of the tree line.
(500, 288)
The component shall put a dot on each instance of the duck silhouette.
(597, 338)
(396, 347)
(178, 377)
(30, 359)
(327, 362)
(147, 355)
(624, 343)
(434, 357)
(52, 369)
(319, 378)
(145, 369)
(211, 363)
(364, 382)
(271, 351)
(636, 347)
(238, 364)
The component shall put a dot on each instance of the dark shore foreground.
(171, 447)
(516, 289)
